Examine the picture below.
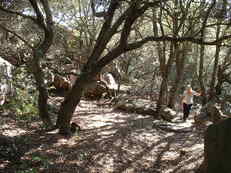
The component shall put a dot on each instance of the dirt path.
(112, 141)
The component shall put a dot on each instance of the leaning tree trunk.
(72, 99)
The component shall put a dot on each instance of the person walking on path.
(187, 100)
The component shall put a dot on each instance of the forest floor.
(110, 142)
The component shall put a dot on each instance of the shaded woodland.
(96, 86)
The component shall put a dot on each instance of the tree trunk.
(217, 150)
(202, 49)
(162, 60)
(70, 102)
(162, 94)
(201, 69)
(36, 70)
(174, 56)
(162, 100)
(215, 66)
(221, 72)
(179, 75)
(44, 21)
(195, 57)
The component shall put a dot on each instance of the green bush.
(23, 101)
(24, 104)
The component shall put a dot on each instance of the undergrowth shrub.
(23, 100)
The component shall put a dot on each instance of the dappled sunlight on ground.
(130, 143)
(112, 141)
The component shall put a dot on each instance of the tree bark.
(36, 70)
(174, 56)
(45, 22)
(202, 49)
(215, 66)
(180, 58)
(161, 48)
(200, 77)
(163, 94)
(217, 151)
(68, 107)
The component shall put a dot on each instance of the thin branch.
(18, 36)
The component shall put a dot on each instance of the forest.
(115, 86)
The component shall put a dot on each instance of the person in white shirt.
(187, 101)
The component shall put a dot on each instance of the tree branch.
(48, 27)
(18, 36)
(18, 13)
(104, 37)
(48, 12)
(39, 15)
(119, 49)
(113, 54)
(206, 18)
(180, 39)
